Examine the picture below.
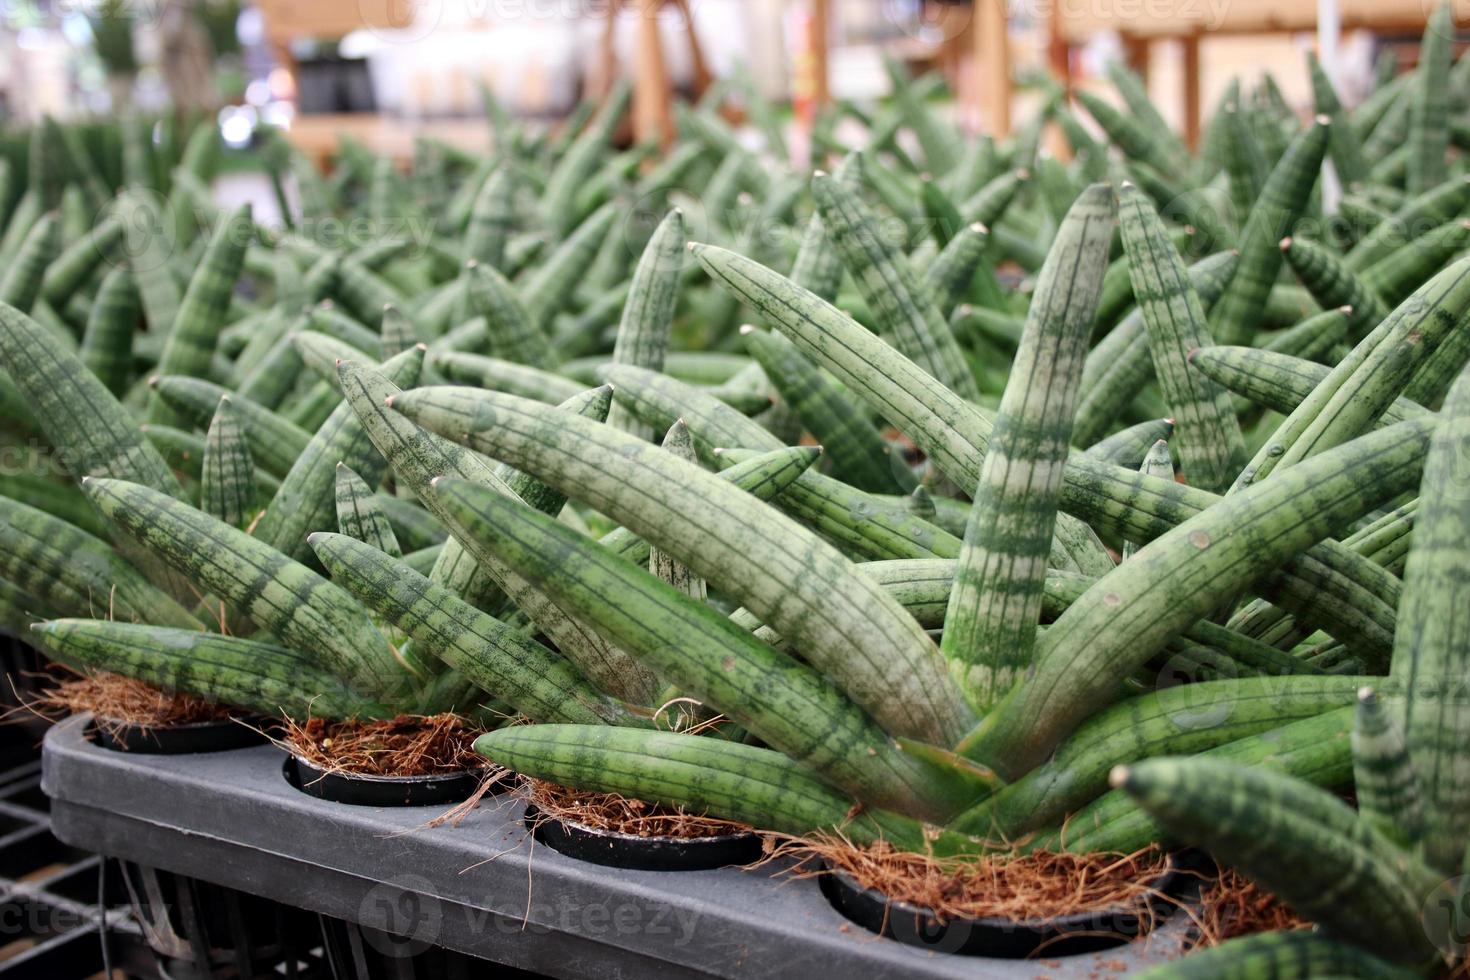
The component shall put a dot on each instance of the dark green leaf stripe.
(227, 489)
(107, 342)
(860, 455)
(306, 501)
(1300, 842)
(785, 703)
(246, 674)
(535, 681)
(358, 515)
(996, 603)
(1207, 435)
(1282, 201)
(703, 775)
(648, 315)
(1431, 655)
(844, 624)
(889, 286)
(196, 326)
(288, 599)
(1185, 574)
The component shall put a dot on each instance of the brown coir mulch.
(1021, 887)
(115, 701)
(609, 812)
(409, 745)
(1233, 905)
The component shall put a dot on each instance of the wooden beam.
(992, 76)
(821, 36)
(653, 109)
(1136, 53)
(1191, 107)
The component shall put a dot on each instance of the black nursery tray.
(484, 887)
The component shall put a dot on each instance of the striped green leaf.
(107, 342)
(195, 329)
(1179, 720)
(888, 285)
(648, 315)
(227, 488)
(702, 775)
(289, 600)
(786, 704)
(535, 681)
(75, 573)
(261, 677)
(1429, 122)
(1207, 435)
(20, 287)
(1384, 781)
(1282, 201)
(1185, 574)
(844, 625)
(1295, 955)
(1431, 655)
(306, 501)
(996, 603)
(358, 515)
(75, 411)
(1303, 844)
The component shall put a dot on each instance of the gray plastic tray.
(482, 888)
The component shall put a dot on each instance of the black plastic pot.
(359, 790)
(202, 736)
(634, 853)
(1069, 935)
